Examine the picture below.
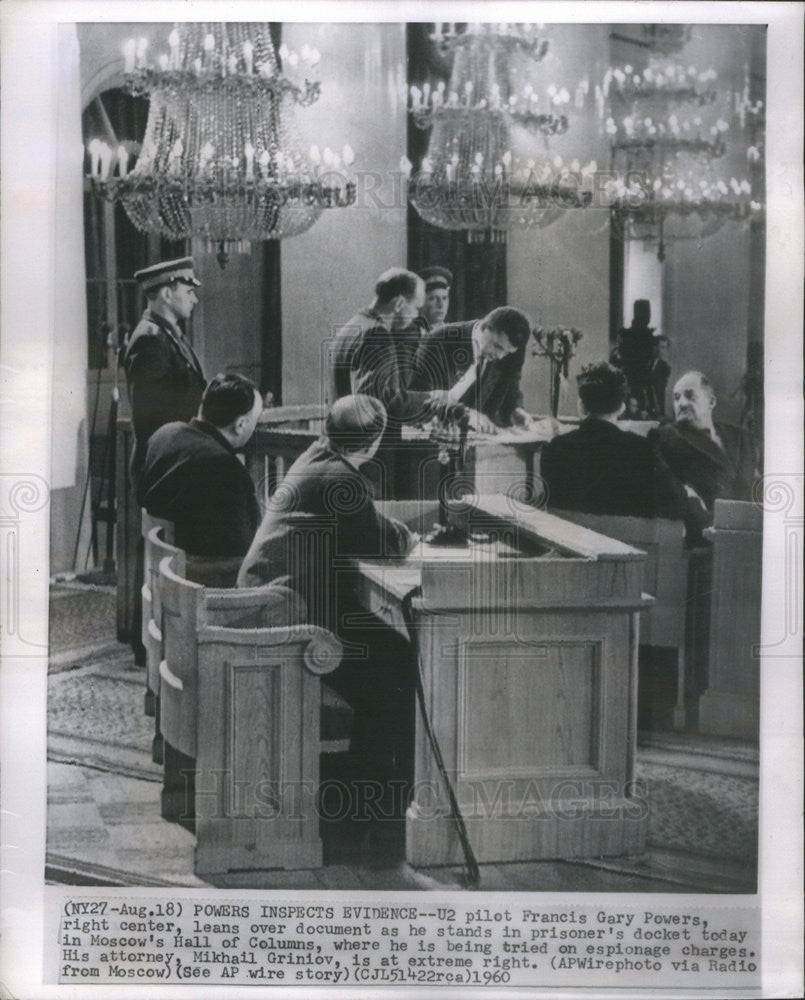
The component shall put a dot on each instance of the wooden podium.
(527, 650)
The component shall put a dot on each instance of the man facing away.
(477, 364)
(321, 518)
(164, 376)
(192, 476)
(601, 469)
(433, 312)
(713, 459)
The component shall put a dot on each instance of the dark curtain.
(271, 325)
(479, 269)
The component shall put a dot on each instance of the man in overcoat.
(600, 468)
(193, 476)
(713, 458)
(320, 520)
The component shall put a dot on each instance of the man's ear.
(398, 302)
(712, 400)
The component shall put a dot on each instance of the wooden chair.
(665, 579)
(158, 539)
(241, 695)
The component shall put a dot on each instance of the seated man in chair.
(193, 477)
(713, 459)
(322, 518)
(601, 469)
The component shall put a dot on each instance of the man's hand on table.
(545, 429)
(521, 419)
(481, 423)
(407, 539)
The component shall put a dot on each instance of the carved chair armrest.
(321, 650)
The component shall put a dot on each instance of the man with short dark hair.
(321, 518)
(164, 376)
(478, 365)
(438, 281)
(366, 356)
(712, 458)
(192, 474)
(601, 469)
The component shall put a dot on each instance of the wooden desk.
(527, 651)
(504, 462)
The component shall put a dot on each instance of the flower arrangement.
(558, 344)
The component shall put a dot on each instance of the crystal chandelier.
(669, 132)
(472, 177)
(221, 158)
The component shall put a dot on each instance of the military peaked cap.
(436, 277)
(166, 272)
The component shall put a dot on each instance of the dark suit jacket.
(164, 377)
(321, 517)
(367, 358)
(697, 460)
(193, 477)
(601, 469)
(445, 354)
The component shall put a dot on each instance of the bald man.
(712, 458)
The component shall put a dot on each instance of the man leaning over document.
(479, 364)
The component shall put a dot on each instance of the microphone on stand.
(452, 440)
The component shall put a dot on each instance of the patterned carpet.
(95, 718)
(703, 796)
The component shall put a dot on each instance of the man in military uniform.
(438, 281)
(164, 376)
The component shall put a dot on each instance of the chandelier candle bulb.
(248, 55)
(122, 160)
(129, 50)
(142, 46)
(205, 156)
(95, 157)
(106, 160)
(249, 153)
(349, 156)
(173, 42)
